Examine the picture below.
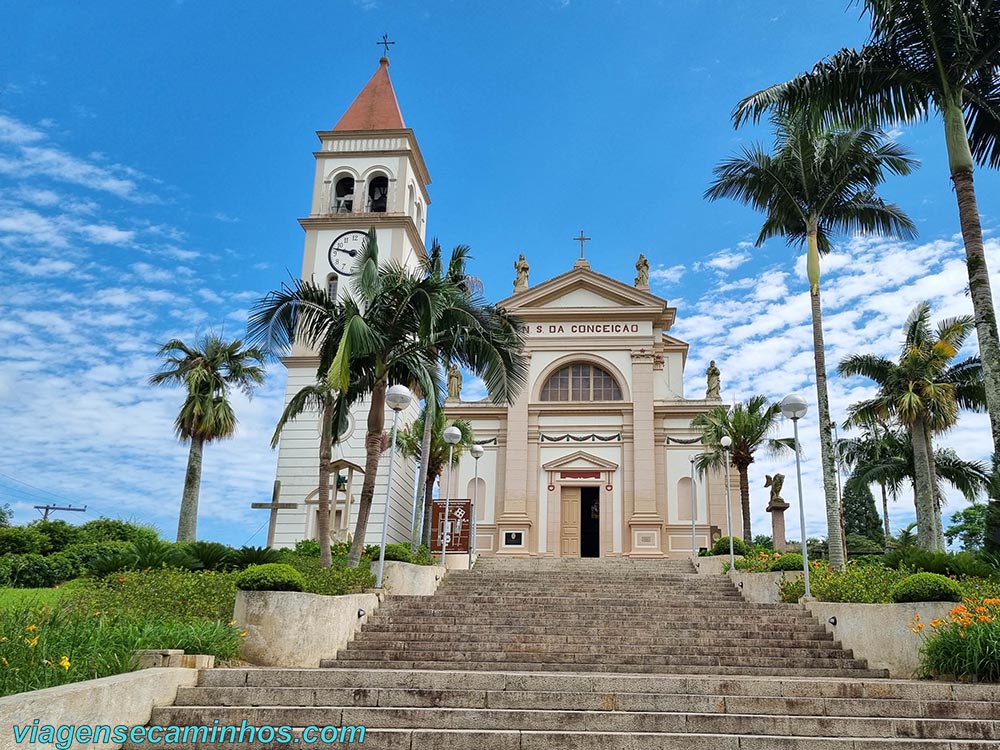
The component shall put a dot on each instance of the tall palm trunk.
(885, 511)
(922, 488)
(373, 454)
(741, 470)
(835, 538)
(187, 522)
(323, 507)
(935, 494)
(430, 405)
(428, 507)
(961, 164)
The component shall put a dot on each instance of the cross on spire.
(582, 239)
(385, 43)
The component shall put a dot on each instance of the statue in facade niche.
(521, 267)
(642, 271)
(454, 383)
(714, 390)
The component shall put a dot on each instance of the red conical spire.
(376, 107)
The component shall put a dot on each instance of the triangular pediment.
(580, 460)
(583, 291)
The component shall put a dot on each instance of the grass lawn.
(10, 598)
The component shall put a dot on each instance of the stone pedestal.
(777, 511)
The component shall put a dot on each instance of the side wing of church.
(593, 460)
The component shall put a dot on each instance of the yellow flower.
(918, 627)
(243, 634)
(937, 622)
(33, 642)
(64, 662)
(5, 662)
(31, 628)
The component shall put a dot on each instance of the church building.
(594, 457)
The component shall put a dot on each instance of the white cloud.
(671, 275)
(724, 260)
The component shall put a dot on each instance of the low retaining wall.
(880, 633)
(405, 579)
(292, 629)
(124, 699)
(761, 588)
(712, 566)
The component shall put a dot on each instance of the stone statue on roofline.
(521, 267)
(714, 380)
(642, 272)
(454, 383)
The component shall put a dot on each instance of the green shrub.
(114, 530)
(270, 577)
(788, 561)
(87, 553)
(246, 556)
(23, 540)
(33, 571)
(332, 581)
(145, 554)
(721, 546)
(757, 560)
(858, 544)
(960, 564)
(863, 584)
(400, 552)
(307, 547)
(167, 594)
(60, 533)
(927, 587)
(424, 556)
(211, 555)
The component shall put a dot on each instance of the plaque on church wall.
(460, 513)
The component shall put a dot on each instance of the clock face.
(345, 251)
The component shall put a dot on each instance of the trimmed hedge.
(23, 540)
(788, 561)
(721, 546)
(270, 577)
(927, 587)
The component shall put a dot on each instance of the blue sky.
(154, 159)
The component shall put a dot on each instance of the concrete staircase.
(596, 654)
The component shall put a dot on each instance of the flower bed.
(964, 645)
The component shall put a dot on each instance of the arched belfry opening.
(378, 194)
(343, 196)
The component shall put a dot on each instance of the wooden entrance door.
(570, 522)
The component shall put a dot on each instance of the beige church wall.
(316, 264)
(465, 473)
(547, 522)
(668, 383)
(678, 466)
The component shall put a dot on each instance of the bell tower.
(369, 173)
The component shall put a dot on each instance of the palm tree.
(886, 458)
(384, 331)
(923, 392)
(923, 56)
(748, 424)
(412, 443)
(817, 183)
(448, 334)
(209, 371)
(334, 409)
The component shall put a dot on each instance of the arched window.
(343, 196)
(378, 194)
(420, 214)
(409, 200)
(332, 282)
(581, 382)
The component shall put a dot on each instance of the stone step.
(776, 633)
(883, 689)
(693, 639)
(589, 701)
(558, 620)
(630, 669)
(513, 739)
(581, 721)
(513, 648)
(587, 656)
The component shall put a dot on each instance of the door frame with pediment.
(567, 475)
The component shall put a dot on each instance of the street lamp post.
(726, 442)
(694, 510)
(397, 398)
(477, 452)
(794, 407)
(452, 435)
